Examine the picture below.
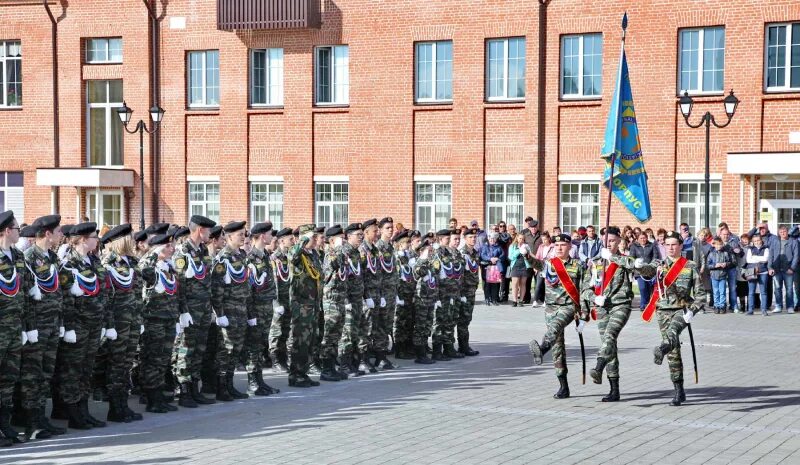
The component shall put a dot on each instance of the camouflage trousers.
(443, 323)
(369, 326)
(232, 340)
(404, 316)
(610, 323)
(671, 324)
(351, 328)
(302, 330)
(37, 364)
(154, 360)
(120, 356)
(464, 315)
(256, 338)
(556, 320)
(10, 348)
(385, 323)
(335, 316)
(319, 332)
(209, 363)
(423, 320)
(279, 329)
(75, 362)
(191, 346)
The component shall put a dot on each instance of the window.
(504, 203)
(580, 205)
(783, 57)
(331, 201)
(204, 78)
(434, 71)
(582, 65)
(266, 77)
(702, 60)
(104, 50)
(266, 203)
(505, 69)
(10, 74)
(332, 75)
(11, 193)
(204, 199)
(106, 212)
(104, 127)
(433, 205)
(692, 204)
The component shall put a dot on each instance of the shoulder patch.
(180, 263)
(219, 269)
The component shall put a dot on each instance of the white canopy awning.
(764, 163)
(84, 177)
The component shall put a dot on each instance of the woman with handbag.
(492, 257)
(519, 258)
(756, 274)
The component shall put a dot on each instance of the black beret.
(562, 238)
(66, 230)
(261, 228)
(138, 236)
(47, 223)
(368, 223)
(284, 232)
(28, 231)
(234, 226)
(319, 229)
(400, 235)
(444, 232)
(84, 228)
(429, 235)
(157, 228)
(6, 219)
(306, 228)
(353, 227)
(116, 233)
(335, 230)
(296, 231)
(180, 232)
(455, 232)
(215, 232)
(673, 235)
(202, 221)
(159, 239)
(385, 220)
(414, 233)
(172, 230)
(471, 232)
(425, 242)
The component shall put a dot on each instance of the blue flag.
(622, 138)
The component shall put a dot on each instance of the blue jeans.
(720, 286)
(762, 289)
(783, 280)
(645, 291)
(732, 301)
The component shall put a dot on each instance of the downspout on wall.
(56, 137)
(541, 110)
(155, 138)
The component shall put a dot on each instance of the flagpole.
(614, 154)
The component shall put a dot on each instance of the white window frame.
(700, 63)
(203, 79)
(4, 84)
(434, 78)
(107, 43)
(111, 118)
(277, 223)
(418, 205)
(95, 212)
(205, 202)
(505, 97)
(787, 50)
(505, 204)
(271, 63)
(581, 57)
(15, 192)
(331, 204)
(340, 58)
(699, 213)
(580, 203)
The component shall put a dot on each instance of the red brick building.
(340, 110)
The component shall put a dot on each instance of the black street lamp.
(156, 114)
(686, 103)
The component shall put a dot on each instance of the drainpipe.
(56, 142)
(541, 110)
(155, 139)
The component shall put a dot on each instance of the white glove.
(383, 302)
(348, 307)
(579, 328)
(162, 266)
(280, 310)
(370, 303)
(424, 254)
(687, 316)
(60, 331)
(400, 301)
(141, 329)
(438, 304)
(600, 300)
(102, 333)
(178, 329)
(251, 322)
(463, 299)
(111, 334)
(186, 320)
(69, 337)
(436, 246)
(24, 338)
(222, 321)
(213, 315)
(33, 336)
(638, 263)
(605, 253)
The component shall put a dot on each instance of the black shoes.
(597, 372)
(613, 394)
(563, 391)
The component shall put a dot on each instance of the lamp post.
(730, 102)
(156, 114)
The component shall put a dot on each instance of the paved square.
(494, 408)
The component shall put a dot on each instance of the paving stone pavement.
(495, 408)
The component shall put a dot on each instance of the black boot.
(123, 403)
(404, 351)
(116, 413)
(365, 365)
(59, 408)
(464, 348)
(597, 372)
(563, 391)
(660, 351)
(44, 423)
(84, 405)
(438, 355)
(222, 389)
(154, 404)
(256, 384)
(209, 386)
(232, 389)
(186, 399)
(538, 350)
(316, 367)
(197, 396)
(383, 362)
(19, 415)
(165, 400)
(300, 382)
(613, 395)
(680, 396)
(76, 420)
(451, 352)
(310, 381)
(329, 372)
(422, 356)
(32, 428)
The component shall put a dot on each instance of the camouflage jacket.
(555, 295)
(83, 285)
(387, 263)
(43, 266)
(125, 288)
(354, 262)
(686, 292)
(426, 272)
(161, 290)
(230, 288)
(282, 273)
(618, 292)
(262, 280)
(371, 271)
(335, 274)
(406, 282)
(450, 270)
(193, 267)
(472, 270)
(15, 281)
(306, 271)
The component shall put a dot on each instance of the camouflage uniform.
(388, 295)
(230, 292)
(372, 294)
(304, 296)
(14, 319)
(427, 294)
(406, 288)
(449, 269)
(335, 273)
(353, 335)
(161, 307)
(469, 284)
(279, 328)
(259, 306)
